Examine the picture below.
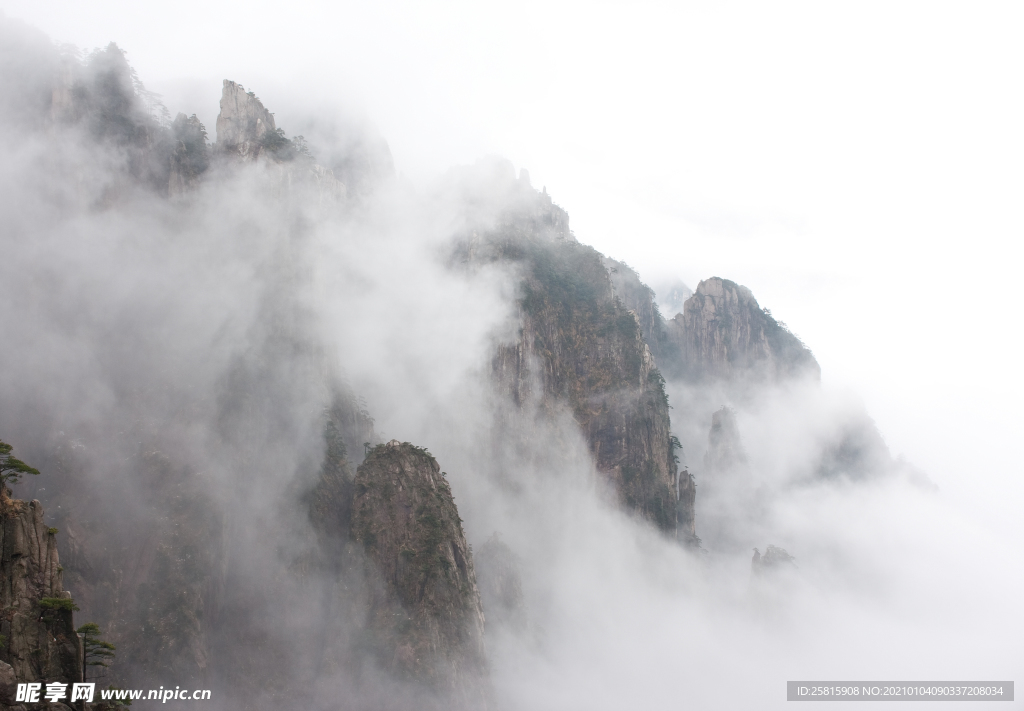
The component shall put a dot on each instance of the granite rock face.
(425, 622)
(39, 643)
(577, 347)
(724, 334)
(244, 126)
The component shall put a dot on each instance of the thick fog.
(199, 340)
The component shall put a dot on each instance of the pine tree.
(97, 651)
(11, 469)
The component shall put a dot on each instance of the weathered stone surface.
(724, 334)
(243, 124)
(39, 644)
(425, 621)
(8, 684)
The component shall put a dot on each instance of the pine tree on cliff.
(12, 469)
(98, 652)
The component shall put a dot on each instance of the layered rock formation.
(425, 620)
(37, 632)
(724, 334)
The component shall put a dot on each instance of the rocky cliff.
(244, 126)
(638, 299)
(37, 632)
(724, 334)
(579, 347)
(103, 97)
(721, 334)
(425, 621)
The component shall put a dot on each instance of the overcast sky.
(858, 166)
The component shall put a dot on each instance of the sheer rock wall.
(39, 644)
(425, 620)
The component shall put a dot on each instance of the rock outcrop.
(244, 126)
(425, 620)
(37, 632)
(725, 450)
(246, 131)
(774, 560)
(638, 299)
(724, 334)
(578, 347)
(721, 334)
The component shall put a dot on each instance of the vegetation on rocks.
(425, 621)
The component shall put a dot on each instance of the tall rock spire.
(243, 124)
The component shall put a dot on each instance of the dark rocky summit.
(425, 620)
